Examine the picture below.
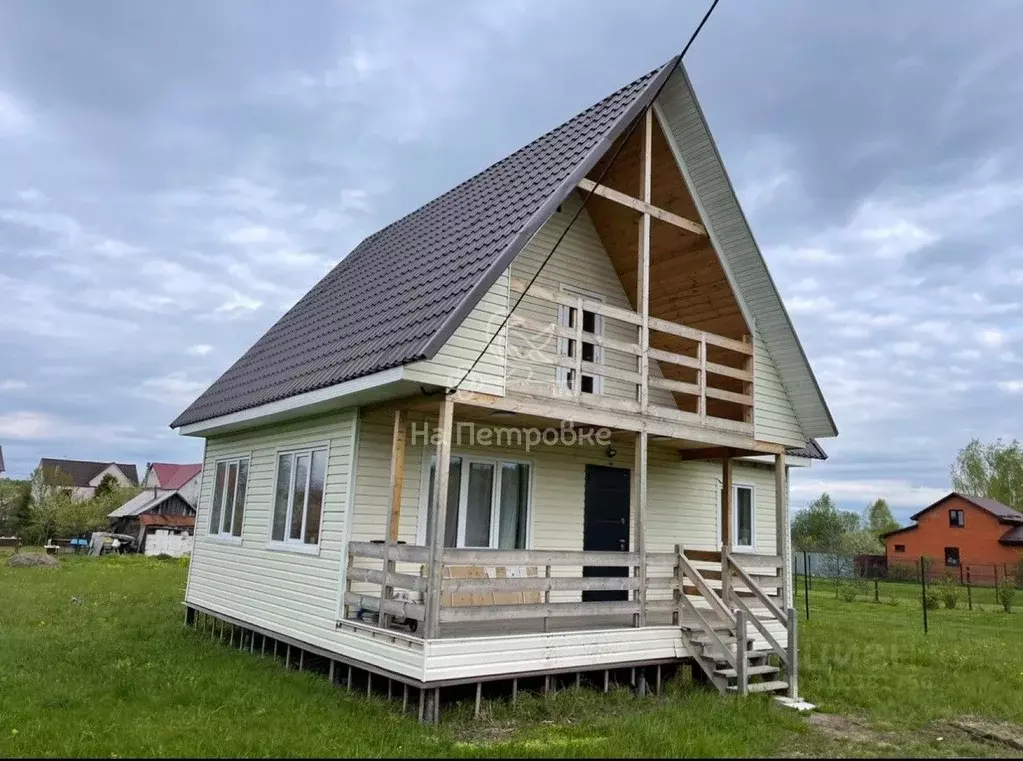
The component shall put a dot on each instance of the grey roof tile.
(401, 292)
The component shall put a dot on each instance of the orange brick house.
(958, 530)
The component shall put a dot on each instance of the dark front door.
(606, 523)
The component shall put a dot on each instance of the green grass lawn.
(94, 660)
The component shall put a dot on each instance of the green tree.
(15, 505)
(991, 470)
(106, 485)
(820, 526)
(880, 519)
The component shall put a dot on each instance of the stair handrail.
(729, 654)
(705, 590)
(730, 564)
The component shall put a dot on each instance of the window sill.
(223, 539)
(296, 547)
(745, 550)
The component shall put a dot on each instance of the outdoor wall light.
(611, 452)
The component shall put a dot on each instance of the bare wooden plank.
(396, 608)
(490, 558)
(560, 331)
(783, 537)
(635, 204)
(730, 396)
(760, 594)
(391, 578)
(540, 584)
(729, 372)
(519, 285)
(672, 358)
(397, 480)
(406, 553)
(641, 506)
(678, 386)
(590, 368)
(437, 515)
(710, 556)
(683, 331)
(716, 603)
(537, 610)
(764, 631)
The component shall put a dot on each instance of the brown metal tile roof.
(82, 471)
(401, 293)
(1004, 513)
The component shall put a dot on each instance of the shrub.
(846, 591)
(932, 601)
(1006, 596)
(891, 601)
(948, 590)
(1019, 574)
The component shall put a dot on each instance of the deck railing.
(708, 374)
(482, 585)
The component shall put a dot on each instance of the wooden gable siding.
(458, 353)
(579, 262)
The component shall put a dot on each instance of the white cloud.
(238, 303)
(199, 350)
(991, 338)
(816, 304)
(14, 116)
(31, 426)
(898, 492)
(254, 234)
(175, 389)
(1012, 386)
(32, 195)
(13, 385)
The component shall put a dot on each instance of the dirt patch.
(32, 560)
(1003, 733)
(850, 730)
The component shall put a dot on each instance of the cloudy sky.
(175, 175)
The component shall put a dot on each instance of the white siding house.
(552, 441)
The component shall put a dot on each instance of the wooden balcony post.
(577, 384)
(640, 483)
(726, 526)
(643, 271)
(747, 388)
(436, 517)
(701, 402)
(397, 481)
(783, 534)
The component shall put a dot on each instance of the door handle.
(621, 545)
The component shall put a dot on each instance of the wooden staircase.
(729, 638)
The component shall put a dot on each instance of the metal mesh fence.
(941, 595)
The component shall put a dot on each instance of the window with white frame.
(593, 324)
(743, 517)
(298, 496)
(228, 505)
(488, 502)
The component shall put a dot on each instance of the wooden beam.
(637, 205)
(436, 518)
(640, 483)
(783, 535)
(394, 514)
(643, 264)
(709, 453)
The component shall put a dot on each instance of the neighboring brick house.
(958, 530)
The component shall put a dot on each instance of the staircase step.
(763, 687)
(750, 671)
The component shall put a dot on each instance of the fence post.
(923, 589)
(877, 591)
(995, 566)
(806, 582)
(969, 590)
(960, 573)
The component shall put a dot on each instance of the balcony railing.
(708, 381)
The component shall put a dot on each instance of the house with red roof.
(171, 476)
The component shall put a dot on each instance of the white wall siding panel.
(457, 355)
(774, 418)
(292, 594)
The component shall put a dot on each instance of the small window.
(900, 548)
(952, 556)
(592, 324)
(956, 518)
(298, 497)
(228, 505)
(743, 516)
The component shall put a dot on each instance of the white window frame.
(288, 544)
(467, 459)
(752, 547)
(226, 461)
(563, 343)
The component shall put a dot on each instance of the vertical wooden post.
(640, 481)
(747, 388)
(783, 535)
(726, 526)
(701, 402)
(547, 599)
(437, 516)
(577, 381)
(792, 651)
(643, 265)
(741, 655)
(676, 613)
(394, 514)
